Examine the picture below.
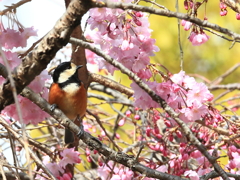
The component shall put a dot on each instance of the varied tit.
(67, 93)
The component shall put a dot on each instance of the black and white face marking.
(60, 68)
(66, 75)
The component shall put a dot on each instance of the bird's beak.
(51, 69)
(78, 67)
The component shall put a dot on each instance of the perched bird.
(67, 93)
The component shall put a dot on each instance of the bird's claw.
(81, 131)
(53, 106)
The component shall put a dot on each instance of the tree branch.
(37, 60)
(106, 81)
(235, 86)
(168, 13)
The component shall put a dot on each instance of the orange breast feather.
(71, 104)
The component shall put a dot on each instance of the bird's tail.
(69, 136)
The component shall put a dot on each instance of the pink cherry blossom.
(46, 159)
(193, 175)
(223, 12)
(103, 171)
(168, 91)
(144, 74)
(232, 148)
(117, 136)
(187, 25)
(66, 176)
(128, 40)
(126, 45)
(128, 113)
(120, 172)
(196, 154)
(10, 38)
(183, 94)
(137, 117)
(232, 164)
(142, 99)
(199, 93)
(193, 113)
(222, 5)
(186, 6)
(25, 34)
(198, 38)
(183, 80)
(69, 157)
(202, 171)
(28, 32)
(237, 16)
(236, 159)
(31, 113)
(38, 84)
(55, 169)
(162, 168)
(121, 122)
(12, 58)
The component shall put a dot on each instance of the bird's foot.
(53, 106)
(81, 132)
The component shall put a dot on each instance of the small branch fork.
(13, 7)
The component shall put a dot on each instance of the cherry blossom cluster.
(10, 39)
(124, 35)
(234, 159)
(186, 96)
(179, 164)
(179, 161)
(160, 139)
(223, 8)
(113, 171)
(129, 115)
(67, 156)
(197, 37)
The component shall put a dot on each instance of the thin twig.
(227, 73)
(179, 38)
(108, 82)
(235, 86)
(100, 124)
(221, 95)
(13, 7)
(22, 142)
(19, 112)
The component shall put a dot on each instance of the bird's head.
(65, 72)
